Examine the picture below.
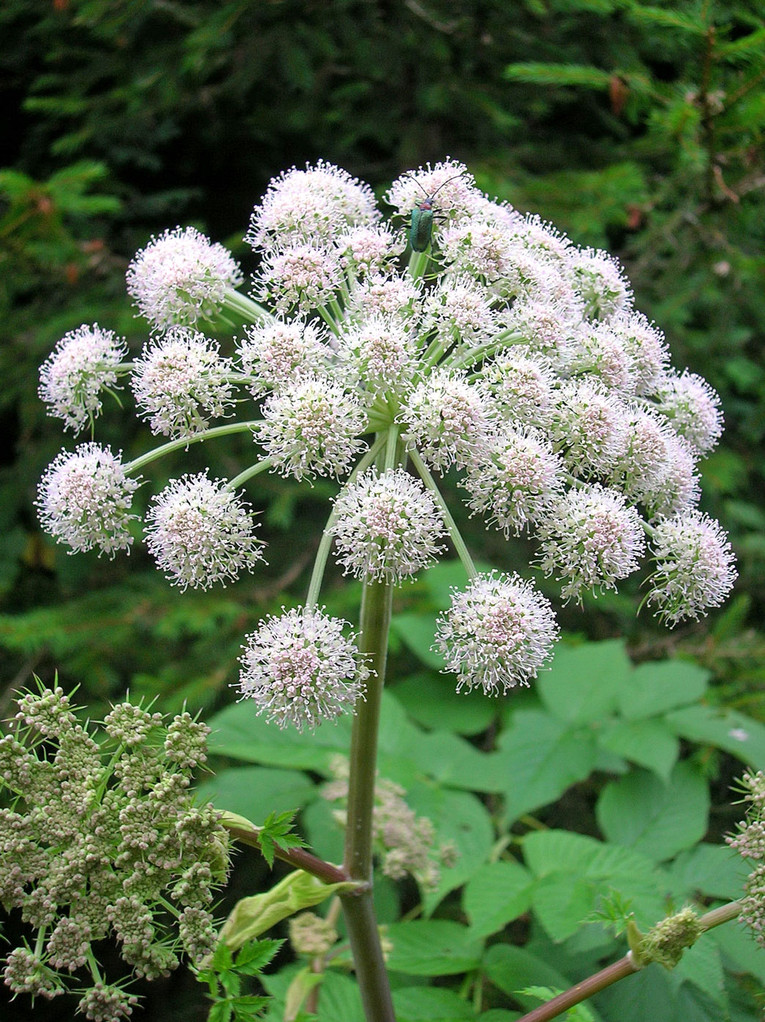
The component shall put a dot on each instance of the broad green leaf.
(239, 733)
(571, 866)
(584, 682)
(340, 998)
(563, 902)
(739, 950)
(713, 870)
(657, 819)
(538, 759)
(512, 969)
(416, 631)
(663, 685)
(324, 834)
(452, 761)
(734, 732)
(432, 700)
(498, 893)
(255, 792)
(443, 576)
(498, 1015)
(647, 996)
(437, 947)
(650, 743)
(460, 818)
(424, 1004)
(701, 965)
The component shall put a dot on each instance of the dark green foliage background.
(632, 126)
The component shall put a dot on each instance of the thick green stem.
(358, 907)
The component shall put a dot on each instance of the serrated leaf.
(538, 759)
(255, 955)
(650, 743)
(498, 893)
(432, 700)
(432, 947)
(584, 682)
(734, 732)
(701, 965)
(641, 812)
(562, 859)
(664, 685)
(221, 1011)
(423, 1004)
(255, 792)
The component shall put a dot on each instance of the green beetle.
(421, 226)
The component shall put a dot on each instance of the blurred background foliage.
(632, 126)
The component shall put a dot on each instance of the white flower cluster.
(501, 351)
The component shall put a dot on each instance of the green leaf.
(432, 948)
(659, 820)
(650, 743)
(423, 1004)
(238, 732)
(538, 759)
(340, 999)
(255, 792)
(431, 700)
(734, 732)
(702, 966)
(277, 833)
(255, 955)
(584, 682)
(715, 871)
(416, 631)
(498, 893)
(654, 688)
(498, 1015)
(221, 1011)
(458, 817)
(512, 969)
(452, 761)
(574, 871)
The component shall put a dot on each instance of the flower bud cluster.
(405, 842)
(502, 352)
(104, 841)
(749, 841)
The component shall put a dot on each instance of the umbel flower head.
(387, 527)
(301, 669)
(497, 633)
(145, 844)
(201, 533)
(180, 278)
(499, 353)
(85, 362)
(84, 500)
